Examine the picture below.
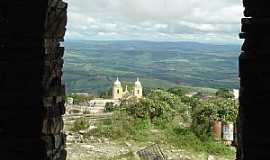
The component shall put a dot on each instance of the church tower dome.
(117, 90)
(138, 89)
(138, 83)
(117, 83)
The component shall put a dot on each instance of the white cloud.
(155, 19)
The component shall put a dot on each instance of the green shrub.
(109, 107)
(159, 105)
(183, 138)
(224, 93)
(80, 124)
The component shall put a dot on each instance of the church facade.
(119, 93)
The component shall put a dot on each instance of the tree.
(178, 91)
(224, 93)
(174, 101)
(157, 104)
(214, 109)
(220, 109)
(147, 108)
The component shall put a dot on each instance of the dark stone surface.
(255, 85)
(31, 89)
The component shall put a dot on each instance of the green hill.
(92, 66)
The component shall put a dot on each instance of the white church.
(119, 93)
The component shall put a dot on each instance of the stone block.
(256, 83)
(23, 100)
(55, 110)
(22, 125)
(255, 25)
(52, 126)
(255, 3)
(56, 91)
(55, 142)
(254, 65)
(21, 54)
(256, 12)
(11, 148)
(30, 40)
(253, 42)
(56, 21)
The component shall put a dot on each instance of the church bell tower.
(117, 90)
(138, 89)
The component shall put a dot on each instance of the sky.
(206, 21)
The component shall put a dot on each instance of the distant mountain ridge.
(91, 66)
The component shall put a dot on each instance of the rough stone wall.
(31, 88)
(54, 97)
(255, 77)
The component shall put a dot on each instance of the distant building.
(236, 94)
(81, 94)
(70, 101)
(191, 94)
(118, 92)
(98, 105)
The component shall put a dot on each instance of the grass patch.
(122, 126)
(187, 139)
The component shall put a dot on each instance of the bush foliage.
(180, 121)
(80, 124)
(109, 107)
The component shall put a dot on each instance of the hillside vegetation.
(92, 66)
(169, 118)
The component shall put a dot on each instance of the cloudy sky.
(207, 21)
